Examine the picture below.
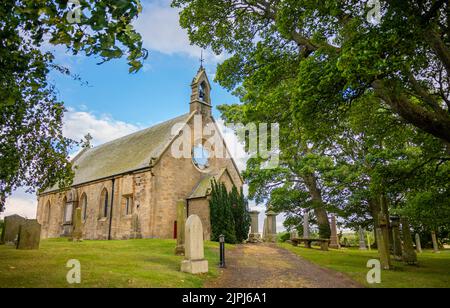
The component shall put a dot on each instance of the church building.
(130, 187)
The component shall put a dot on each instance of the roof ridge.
(138, 132)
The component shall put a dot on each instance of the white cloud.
(160, 29)
(21, 203)
(77, 124)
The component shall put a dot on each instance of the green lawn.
(433, 270)
(133, 263)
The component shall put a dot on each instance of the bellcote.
(201, 94)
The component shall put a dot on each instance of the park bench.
(308, 241)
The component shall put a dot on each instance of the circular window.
(200, 157)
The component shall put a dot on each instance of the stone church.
(130, 187)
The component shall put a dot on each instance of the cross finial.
(201, 59)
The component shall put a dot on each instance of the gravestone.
(194, 261)
(77, 231)
(362, 239)
(29, 235)
(382, 250)
(181, 223)
(383, 241)
(396, 239)
(265, 229)
(254, 236)
(11, 228)
(435, 243)
(418, 244)
(135, 227)
(293, 234)
(306, 225)
(409, 254)
(334, 240)
(271, 225)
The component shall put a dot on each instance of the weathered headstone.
(435, 243)
(254, 236)
(181, 223)
(383, 241)
(271, 222)
(265, 229)
(306, 225)
(135, 227)
(194, 261)
(409, 254)
(418, 244)
(362, 239)
(77, 231)
(29, 235)
(293, 234)
(11, 228)
(334, 240)
(396, 239)
(382, 250)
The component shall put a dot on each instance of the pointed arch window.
(47, 212)
(68, 211)
(104, 204)
(84, 205)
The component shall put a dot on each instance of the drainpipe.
(111, 211)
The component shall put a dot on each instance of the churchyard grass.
(133, 263)
(433, 270)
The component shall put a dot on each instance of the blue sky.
(115, 103)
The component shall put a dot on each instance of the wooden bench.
(308, 241)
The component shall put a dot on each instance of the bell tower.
(201, 94)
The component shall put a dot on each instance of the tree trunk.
(319, 206)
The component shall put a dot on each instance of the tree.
(241, 214)
(330, 54)
(33, 150)
(221, 214)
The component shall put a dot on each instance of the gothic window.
(128, 205)
(68, 211)
(104, 204)
(202, 92)
(84, 205)
(200, 157)
(47, 212)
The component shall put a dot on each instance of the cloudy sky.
(111, 103)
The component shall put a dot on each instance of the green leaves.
(34, 152)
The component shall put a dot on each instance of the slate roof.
(129, 153)
(204, 186)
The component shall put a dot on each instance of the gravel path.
(268, 266)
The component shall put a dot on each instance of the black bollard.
(222, 251)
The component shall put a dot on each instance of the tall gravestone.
(271, 225)
(418, 244)
(293, 234)
(77, 232)
(135, 227)
(334, 240)
(194, 261)
(383, 241)
(396, 239)
(265, 229)
(362, 239)
(306, 225)
(254, 236)
(409, 254)
(11, 228)
(435, 243)
(181, 223)
(29, 235)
